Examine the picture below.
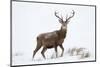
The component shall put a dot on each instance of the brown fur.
(52, 39)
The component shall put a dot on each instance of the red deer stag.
(55, 38)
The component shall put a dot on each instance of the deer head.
(64, 23)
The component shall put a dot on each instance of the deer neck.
(62, 32)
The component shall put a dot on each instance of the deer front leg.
(43, 51)
(56, 51)
(62, 50)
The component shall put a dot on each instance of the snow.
(27, 58)
(31, 19)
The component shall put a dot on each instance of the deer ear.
(67, 22)
(60, 21)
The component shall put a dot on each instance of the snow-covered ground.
(31, 19)
(26, 58)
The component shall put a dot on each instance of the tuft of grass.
(80, 52)
(18, 54)
(53, 56)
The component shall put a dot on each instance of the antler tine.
(57, 15)
(72, 15)
(61, 17)
(66, 18)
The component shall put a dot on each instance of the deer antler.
(58, 16)
(73, 13)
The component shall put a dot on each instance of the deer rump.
(49, 40)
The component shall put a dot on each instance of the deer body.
(52, 39)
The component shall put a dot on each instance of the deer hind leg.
(37, 48)
(43, 51)
(61, 46)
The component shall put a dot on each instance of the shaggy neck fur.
(62, 32)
